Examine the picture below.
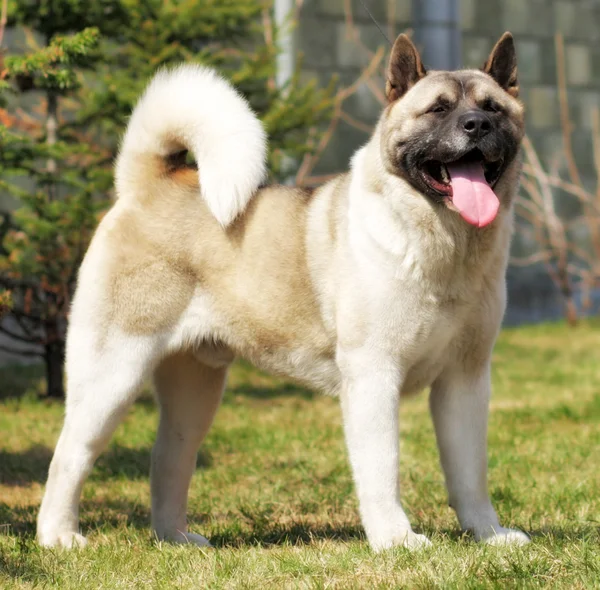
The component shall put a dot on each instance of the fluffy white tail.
(192, 107)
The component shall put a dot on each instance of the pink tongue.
(471, 194)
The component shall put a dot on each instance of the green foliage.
(53, 67)
(56, 17)
(4, 88)
(226, 34)
(93, 60)
(42, 243)
(42, 253)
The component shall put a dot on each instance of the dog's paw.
(408, 539)
(415, 541)
(181, 538)
(65, 540)
(503, 537)
(194, 539)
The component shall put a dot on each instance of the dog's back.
(385, 280)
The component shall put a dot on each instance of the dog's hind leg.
(189, 393)
(103, 379)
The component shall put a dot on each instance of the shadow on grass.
(287, 534)
(304, 534)
(109, 515)
(269, 392)
(25, 561)
(243, 529)
(591, 533)
(120, 462)
(577, 533)
(104, 515)
(31, 466)
(19, 380)
(22, 467)
(238, 532)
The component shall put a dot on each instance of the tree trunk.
(567, 292)
(54, 350)
(571, 312)
(54, 354)
(51, 130)
(54, 357)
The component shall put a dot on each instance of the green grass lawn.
(274, 493)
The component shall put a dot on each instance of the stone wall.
(322, 38)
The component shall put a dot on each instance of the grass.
(274, 493)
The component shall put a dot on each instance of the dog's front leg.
(370, 398)
(459, 407)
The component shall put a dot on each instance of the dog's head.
(454, 136)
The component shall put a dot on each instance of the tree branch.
(563, 99)
(30, 353)
(18, 337)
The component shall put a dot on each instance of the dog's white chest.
(425, 351)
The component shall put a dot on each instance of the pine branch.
(41, 252)
(53, 68)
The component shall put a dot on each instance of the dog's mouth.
(437, 176)
(466, 185)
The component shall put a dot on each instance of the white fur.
(102, 384)
(408, 347)
(192, 107)
(400, 298)
(105, 374)
(459, 406)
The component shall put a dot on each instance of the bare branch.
(549, 231)
(309, 161)
(355, 122)
(365, 75)
(563, 99)
(568, 187)
(30, 353)
(391, 18)
(19, 337)
(529, 260)
(316, 180)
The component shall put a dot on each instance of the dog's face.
(453, 135)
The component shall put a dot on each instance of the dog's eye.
(438, 108)
(491, 106)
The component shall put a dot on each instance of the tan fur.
(257, 269)
(366, 287)
(163, 247)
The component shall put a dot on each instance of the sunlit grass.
(274, 494)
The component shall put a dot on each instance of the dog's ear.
(404, 70)
(502, 65)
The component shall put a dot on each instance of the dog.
(386, 280)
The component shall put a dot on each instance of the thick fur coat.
(368, 287)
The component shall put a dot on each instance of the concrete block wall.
(322, 38)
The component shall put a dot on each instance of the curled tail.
(193, 108)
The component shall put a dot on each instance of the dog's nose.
(475, 124)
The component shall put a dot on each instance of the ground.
(274, 493)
